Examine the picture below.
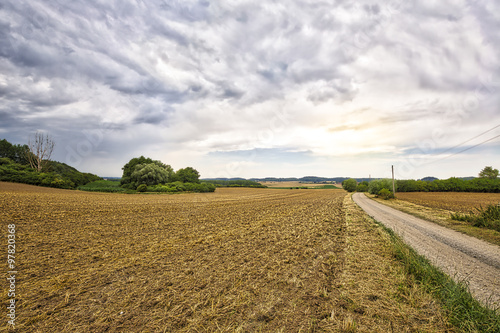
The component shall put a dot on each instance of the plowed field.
(233, 260)
(455, 201)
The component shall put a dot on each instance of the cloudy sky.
(256, 88)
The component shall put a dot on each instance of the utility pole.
(393, 186)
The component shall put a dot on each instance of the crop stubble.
(463, 202)
(236, 259)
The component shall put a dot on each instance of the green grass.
(464, 311)
(103, 186)
(488, 217)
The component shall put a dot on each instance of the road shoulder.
(376, 293)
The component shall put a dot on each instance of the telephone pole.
(393, 186)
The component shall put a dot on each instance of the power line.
(460, 144)
(469, 148)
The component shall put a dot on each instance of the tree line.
(487, 182)
(144, 174)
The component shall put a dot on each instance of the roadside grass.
(464, 312)
(376, 292)
(442, 217)
(488, 217)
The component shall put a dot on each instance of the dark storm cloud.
(185, 65)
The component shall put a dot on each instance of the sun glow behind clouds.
(314, 84)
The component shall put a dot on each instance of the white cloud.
(350, 82)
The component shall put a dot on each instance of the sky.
(256, 88)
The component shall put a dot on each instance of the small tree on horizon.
(488, 172)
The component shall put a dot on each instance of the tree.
(376, 185)
(349, 185)
(40, 149)
(488, 172)
(362, 187)
(188, 175)
(128, 168)
(151, 174)
(165, 172)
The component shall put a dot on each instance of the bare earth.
(460, 256)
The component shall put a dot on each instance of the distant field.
(248, 258)
(454, 201)
(296, 184)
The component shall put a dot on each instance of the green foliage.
(151, 174)
(181, 187)
(17, 153)
(72, 174)
(385, 194)
(375, 186)
(128, 168)
(362, 187)
(489, 172)
(488, 217)
(142, 188)
(350, 185)
(55, 174)
(235, 183)
(450, 185)
(187, 175)
(102, 186)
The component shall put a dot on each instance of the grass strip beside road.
(376, 293)
(464, 311)
(461, 309)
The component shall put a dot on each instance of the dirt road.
(460, 256)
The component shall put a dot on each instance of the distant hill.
(429, 179)
(306, 179)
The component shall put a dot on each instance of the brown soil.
(237, 260)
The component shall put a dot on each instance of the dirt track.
(460, 256)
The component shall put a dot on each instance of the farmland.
(238, 260)
(438, 207)
(454, 201)
(295, 184)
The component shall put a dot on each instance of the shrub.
(385, 194)
(142, 188)
(488, 217)
(376, 185)
(362, 188)
(349, 185)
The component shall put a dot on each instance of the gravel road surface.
(460, 256)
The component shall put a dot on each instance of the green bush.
(375, 186)
(235, 183)
(57, 175)
(142, 188)
(362, 188)
(385, 194)
(349, 185)
(102, 186)
(488, 217)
